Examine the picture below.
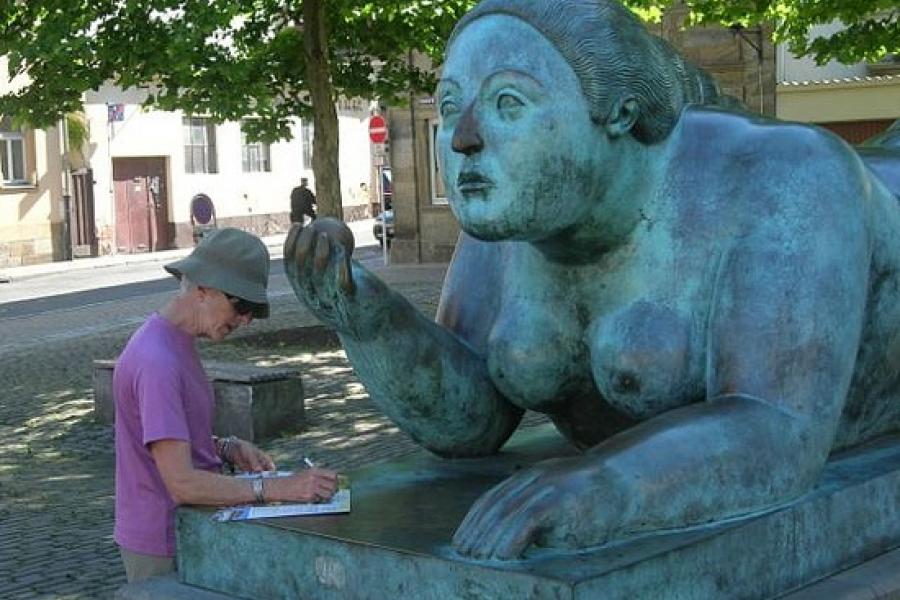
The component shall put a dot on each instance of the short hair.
(612, 54)
(187, 285)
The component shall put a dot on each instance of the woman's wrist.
(225, 448)
(259, 489)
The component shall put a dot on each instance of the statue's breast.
(647, 358)
(536, 353)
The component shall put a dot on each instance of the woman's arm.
(428, 380)
(188, 485)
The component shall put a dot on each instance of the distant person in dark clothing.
(303, 202)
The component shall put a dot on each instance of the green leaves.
(222, 58)
(872, 26)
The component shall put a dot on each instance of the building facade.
(150, 167)
(132, 186)
(855, 101)
(31, 194)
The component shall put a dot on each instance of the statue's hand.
(317, 262)
(559, 503)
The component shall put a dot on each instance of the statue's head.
(612, 54)
(532, 94)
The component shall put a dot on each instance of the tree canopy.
(274, 60)
(872, 26)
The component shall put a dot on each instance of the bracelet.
(259, 490)
(225, 446)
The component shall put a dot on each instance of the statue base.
(396, 541)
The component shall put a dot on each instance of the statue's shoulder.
(764, 142)
(741, 128)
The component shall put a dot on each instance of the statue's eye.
(448, 108)
(509, 105)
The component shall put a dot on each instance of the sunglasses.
(241, 306)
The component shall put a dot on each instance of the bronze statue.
(707, 302)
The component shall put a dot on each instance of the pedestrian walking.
(303, 202)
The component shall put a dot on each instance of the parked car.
(387, 217)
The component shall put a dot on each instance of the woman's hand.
(247, 457)
(313, 485)
(561, 503)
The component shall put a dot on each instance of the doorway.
(84, 234)
(142, 215)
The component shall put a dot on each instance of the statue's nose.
(466, 139)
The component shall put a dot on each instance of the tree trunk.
(325, 122)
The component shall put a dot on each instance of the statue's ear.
(623, 114)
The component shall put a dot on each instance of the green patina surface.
(396, 541)
(703, 300)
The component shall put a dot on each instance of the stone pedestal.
(253, 403)
(395, 542)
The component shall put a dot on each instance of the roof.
(845, 81)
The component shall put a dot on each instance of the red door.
(141, 204)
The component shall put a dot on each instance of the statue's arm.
(428, 379)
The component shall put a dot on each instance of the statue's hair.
(612, 55)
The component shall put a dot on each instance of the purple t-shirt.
(161, 392)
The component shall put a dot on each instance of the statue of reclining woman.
(707, 302)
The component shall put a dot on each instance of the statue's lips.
(469, 182)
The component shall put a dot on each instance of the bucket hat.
(231, 261)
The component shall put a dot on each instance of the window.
(306, 138)
(12, 153)
(438, 192)
(255, 156)
(199, 146)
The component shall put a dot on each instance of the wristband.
(259, 490)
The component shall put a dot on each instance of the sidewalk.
(362, 232)
(274, 243)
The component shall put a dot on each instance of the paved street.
(56, 463)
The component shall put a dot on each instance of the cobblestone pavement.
(56, 463)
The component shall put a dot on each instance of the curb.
(274, 244)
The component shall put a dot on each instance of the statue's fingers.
(290, 242)
(304, 244)
(486, 511)
(494, 501)
(345, 278)
(345, 270)
(323, 252)
(521, 528)
(492, 522)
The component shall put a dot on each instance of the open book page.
(339, 503)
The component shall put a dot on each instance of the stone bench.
(253, 403)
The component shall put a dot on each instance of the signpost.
(378, 133)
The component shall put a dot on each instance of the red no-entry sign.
(377, 129)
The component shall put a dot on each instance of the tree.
(269, 61)
(872, 26)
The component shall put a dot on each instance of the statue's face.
(520, 156)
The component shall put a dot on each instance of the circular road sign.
(377, 129)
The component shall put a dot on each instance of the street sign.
(377, 129)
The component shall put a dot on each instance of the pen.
(309, 463)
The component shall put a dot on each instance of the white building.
(148, 165)
(855, 101)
